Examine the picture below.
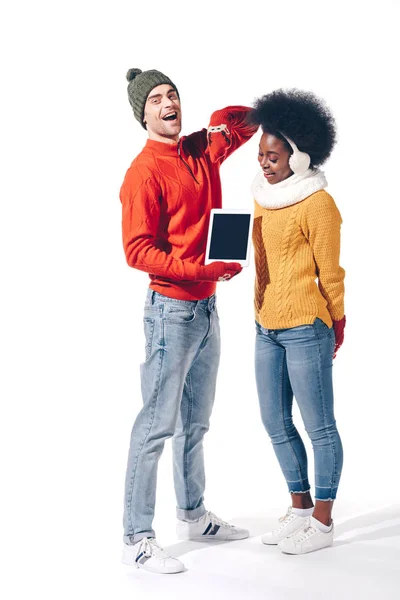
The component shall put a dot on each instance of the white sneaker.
(209, 529)
(289, 524)
(148, 555)
(307, 539)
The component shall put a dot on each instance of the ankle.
(323, 512)
(302, 501)
(322, 518)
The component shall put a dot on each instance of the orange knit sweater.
(167, 195)
(294, 247)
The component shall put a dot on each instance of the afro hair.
(300, 116)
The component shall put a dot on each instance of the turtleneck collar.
(289, 191)
(163, 148)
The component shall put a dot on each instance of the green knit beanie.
(139, 87)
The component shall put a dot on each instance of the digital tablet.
(229, 236)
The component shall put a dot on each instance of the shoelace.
(285, 519)
(305, 533)
(216, 521)
(151, 548)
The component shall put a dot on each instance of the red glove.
(219, 140)
(338, 328)
(219, 134)
(218, 271)
(229, 128)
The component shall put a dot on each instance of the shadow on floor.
(379, 524)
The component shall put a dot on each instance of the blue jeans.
(178, 379)
(298, 361)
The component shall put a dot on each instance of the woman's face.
(273, 156)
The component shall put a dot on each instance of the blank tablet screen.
(229, 237)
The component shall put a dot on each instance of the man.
(166, 196)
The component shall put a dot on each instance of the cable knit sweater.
(296, 237)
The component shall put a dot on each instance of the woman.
(299, 307)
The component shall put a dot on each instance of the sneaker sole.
(292, 553)
(127, 559)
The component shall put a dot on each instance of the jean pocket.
(151, 310)
(181, 314)
(148, 324)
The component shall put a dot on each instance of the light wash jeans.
(178, 380)
(298, 361)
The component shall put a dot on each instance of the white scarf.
(289, 191)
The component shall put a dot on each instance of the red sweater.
(167, 195)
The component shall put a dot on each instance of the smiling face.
(162, 114)
(273, 156)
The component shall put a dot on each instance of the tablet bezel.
(229, 211)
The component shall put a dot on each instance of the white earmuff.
(299, 161)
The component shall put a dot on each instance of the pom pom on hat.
(132, 73)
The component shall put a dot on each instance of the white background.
(71, 309)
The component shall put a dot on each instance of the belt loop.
(152, 297)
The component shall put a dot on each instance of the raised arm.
(229, 129)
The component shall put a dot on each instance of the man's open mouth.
(170, 117)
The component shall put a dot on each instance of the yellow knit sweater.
(294, 247)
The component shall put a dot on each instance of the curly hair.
(300, 116)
